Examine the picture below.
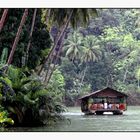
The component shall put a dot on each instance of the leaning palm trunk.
(125, 75)
(82, 78)
(5, 12)
(52, 56)
(30, 36)
(48, 75)
(45, 61)
(17, 36)
(56, 43)
(49, 56)
(84, 75)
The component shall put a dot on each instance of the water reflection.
(130, 121)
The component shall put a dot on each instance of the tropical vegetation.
(51, 57)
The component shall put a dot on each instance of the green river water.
(129, 121)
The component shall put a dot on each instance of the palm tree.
(91, 53)
(91, 49)
(63, 17)
(84, 49)
(73, 46)
(5, 12)
(17, 36)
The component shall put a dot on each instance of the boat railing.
(114, 106)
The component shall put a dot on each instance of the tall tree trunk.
(48, 76)
(52, 56)
(125, 74)
(82, 79)
(48, 12)
(84, 74)
(17, 36)
(56, 43)
(2, 20)
(30, 36)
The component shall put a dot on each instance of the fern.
(15, 75)
(6, 89)
(40, 93)
(7, 81)
(27, 98)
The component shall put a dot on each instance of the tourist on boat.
(105, 105)
(109, 105)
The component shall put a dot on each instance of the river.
(129, 121)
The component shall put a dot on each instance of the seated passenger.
(110, 106)
(105, 105)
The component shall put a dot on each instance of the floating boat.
(105, 100)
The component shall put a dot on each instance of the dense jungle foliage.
(71, 52)
(115, 33)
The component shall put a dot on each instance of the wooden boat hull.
(101, 112)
